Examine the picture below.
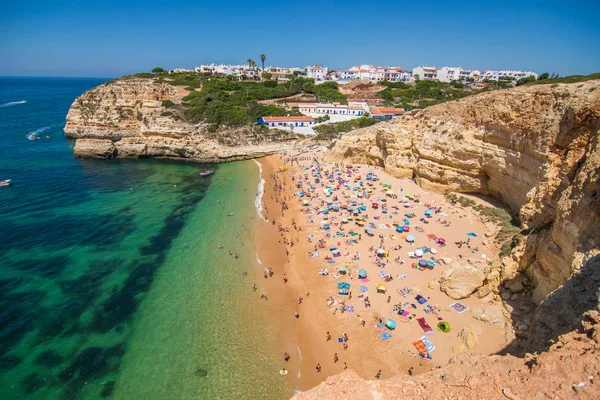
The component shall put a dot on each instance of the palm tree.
(249, 61)
(263, 58)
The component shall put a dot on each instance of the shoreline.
(304, 338)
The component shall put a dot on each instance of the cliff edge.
(132, 118)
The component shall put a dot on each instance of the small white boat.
(5, 182)
(207, 172)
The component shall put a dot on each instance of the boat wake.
(260, 192)
(34, 135)
(13, 103)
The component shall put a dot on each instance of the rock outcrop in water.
(126, 118)
(533, 147)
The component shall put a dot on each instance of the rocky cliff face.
(568, 370)
(125, 118)
(534, 147)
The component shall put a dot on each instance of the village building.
(283, 122)
(316, 72)
(386, 113)
(425, 73)
(356, 109)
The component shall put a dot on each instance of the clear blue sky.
(113, 38)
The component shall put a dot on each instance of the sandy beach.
(296, 226)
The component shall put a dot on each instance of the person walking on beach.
(345, 337)
(335, 358)
(318, 368)
(296, 314)
(327, 337)
(285, 279)
(378, 374)
(254, 287)
(286, 356)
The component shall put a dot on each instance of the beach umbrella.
(342, 269)
(305, 202)
(405, 228)
(427, 212)
(441, 240)
(364, 288)
(430, 264)
(326, 226)
(381, 252)
(419, 253)
(369, 231)
(389, 193)
(422, 263)
(433, 250)
(410, 238)
(381, 288)
(345, 221)
(362, 273)
(399, 229)
(390, 323)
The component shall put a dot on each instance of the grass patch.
(567, 79)
(421, 94)
(335, 129)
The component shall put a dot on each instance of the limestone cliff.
(126, 118)
(533, 147)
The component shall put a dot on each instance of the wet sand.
(304, 339)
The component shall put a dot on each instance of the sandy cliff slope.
(126, 118)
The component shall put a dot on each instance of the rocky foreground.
(126, 118)
(569, 370)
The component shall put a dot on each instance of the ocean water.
(112, 283)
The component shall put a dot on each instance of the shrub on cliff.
(335, 129)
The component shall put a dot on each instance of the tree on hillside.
(263, 58)
(543, 75)
(157, 70)
(249, 61)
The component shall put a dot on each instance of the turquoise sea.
(112, 284)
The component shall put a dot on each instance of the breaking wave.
(260, 193)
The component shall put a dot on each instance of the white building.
(316, 72)
(292, 121)
(507, 74)
(354, 108)
(449, 74)
(372, 73)
(425, 73)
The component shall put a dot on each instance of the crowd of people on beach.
(354, 208)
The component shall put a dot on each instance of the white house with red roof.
(386, 113)
(287, 122)
(372, 73)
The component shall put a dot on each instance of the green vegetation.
(158, 70)
(167, 104)
(509, 233)
(421, 94)
(567, 79)
(262, 59)
(322, 118)
(227, 102)
(335, 129)
(328, 92)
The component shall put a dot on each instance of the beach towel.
(425, 326)
(403, 313)
(385, 335)
(404, 291)
(431, 236)
(471, 234)
(350, 309)
(382, 226)
(459, 307)
(430, 346)
(388, 226)
(420, 299)
(420, 346)
(364, 280)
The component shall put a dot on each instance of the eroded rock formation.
(126, 118)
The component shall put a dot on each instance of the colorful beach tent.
(381, 288)
(443, 327)
(410, 238)
(390, 323)
(362, 273)
(343, 285)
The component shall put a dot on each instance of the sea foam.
(260, 192)
(13, 103)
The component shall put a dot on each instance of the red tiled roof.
(386, 110)
(288, 119)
